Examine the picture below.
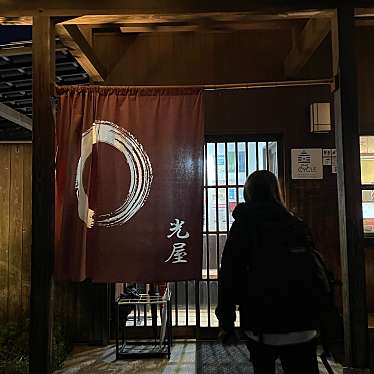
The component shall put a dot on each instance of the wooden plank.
(187, 57)
(86, 31)
(43, 195)
(78, 46)
(16, 21)
(15, 232)
(71, 7)
(365, 77)
(16, 117)
(167, 16)
(157, 28)
(364, 12)
(4, 228)
(205, 25)
(305, 44)
(349, 190)
(252, 57)
(127, 56)
(26, 227)
(98, 308)
(367, 22)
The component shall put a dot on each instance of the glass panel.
(181, 298)
(213, 256)
(213, 303)
(205, 266)
(241, 195)
(242, 173)
(221, 163)
(211, 165)
(222, 219)
(205, 165)
(367, 159)
(191, 304)
(232, 204)
(203, 294)
(172, 300)
(368, 210)
(252, 163)
(222, 240)
(204, 211)
(212, 209)
(231, 161)
(262, 157)
(273, 157)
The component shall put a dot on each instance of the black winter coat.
(271, 227)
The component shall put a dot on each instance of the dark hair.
(263, 186)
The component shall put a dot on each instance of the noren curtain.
(129, 184)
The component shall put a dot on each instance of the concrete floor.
(90, 360)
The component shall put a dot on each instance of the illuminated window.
(367, 182)
(227, 165)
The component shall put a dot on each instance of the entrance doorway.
(228, 160)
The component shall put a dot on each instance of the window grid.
(238, 156)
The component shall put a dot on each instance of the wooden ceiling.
(76, 21)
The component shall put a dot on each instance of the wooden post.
(43, 194)
(349, 191)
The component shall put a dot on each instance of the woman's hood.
(260, 212)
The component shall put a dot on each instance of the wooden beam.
(307, 42)
(364, 12)
(14, 116)
(43, 195)
(187, 17)
(366, 22)
(72, 8)
(22, 21)
(206, 26)
(107, 19)
(86, 31)
(349, 191)
(77, 44)
(134, 28)
(16, 21)
(257, 25)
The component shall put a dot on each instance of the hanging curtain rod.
(234, 86)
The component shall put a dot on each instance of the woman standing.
(270, 269)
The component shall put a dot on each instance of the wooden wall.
(83, 310)
(193, 58)
(249, 56)
(78, 307)
(365, 71)
(285, 111)
(15, 229)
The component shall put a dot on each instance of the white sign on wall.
(307, 163)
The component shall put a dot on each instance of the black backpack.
(287, 285)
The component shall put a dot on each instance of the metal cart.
(158, 347)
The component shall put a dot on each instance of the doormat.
(214, 358)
